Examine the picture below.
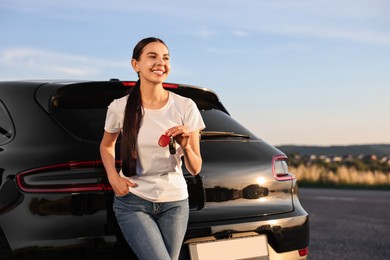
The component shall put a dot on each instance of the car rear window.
(81, 108)
(218, 121)
(87, 124)
(6, 126)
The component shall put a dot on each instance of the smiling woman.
(151, 192)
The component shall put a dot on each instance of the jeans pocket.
(122, 196)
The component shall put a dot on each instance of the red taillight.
(68, 177)
(303, 252)
(165, 85)
(128, 83)
(280, 168)
(170, 85)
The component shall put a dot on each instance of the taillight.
(303, 252)
(128, 83)
(165, 85)
(170, 85)
(280, 168)
(82, 176)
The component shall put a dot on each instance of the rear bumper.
(284, 234)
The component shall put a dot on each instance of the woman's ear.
(134, 64)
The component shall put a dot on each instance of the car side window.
(6, 126)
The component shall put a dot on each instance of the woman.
(151, 198)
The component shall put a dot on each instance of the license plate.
(253, 247)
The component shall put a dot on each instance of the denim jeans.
(153, 230)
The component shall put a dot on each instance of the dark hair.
(133, 117)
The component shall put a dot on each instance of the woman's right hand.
(121, 185)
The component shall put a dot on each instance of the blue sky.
(303, 72)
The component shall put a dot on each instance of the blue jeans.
(153, 230)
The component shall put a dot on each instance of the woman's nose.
(160, 61)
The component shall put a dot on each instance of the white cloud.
(240, 33)
(355, 34)
(355, 20)
(204, 33)
(44, 63)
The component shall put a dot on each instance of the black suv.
(55, 199)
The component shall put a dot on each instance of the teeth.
(158, 72)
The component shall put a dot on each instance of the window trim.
(3, 109)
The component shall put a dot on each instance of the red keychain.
(165, 140)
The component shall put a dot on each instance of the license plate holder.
(248, 247)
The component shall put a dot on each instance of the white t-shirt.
(159, 173)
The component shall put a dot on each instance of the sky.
(294, 72)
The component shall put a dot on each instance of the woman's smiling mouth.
(158, 72)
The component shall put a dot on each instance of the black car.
(56, 201)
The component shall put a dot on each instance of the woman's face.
(153, 64)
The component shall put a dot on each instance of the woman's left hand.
(181, 135)
(189, 142)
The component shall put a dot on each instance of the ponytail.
(131, 125)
